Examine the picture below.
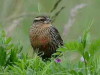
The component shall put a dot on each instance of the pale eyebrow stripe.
(38, 18)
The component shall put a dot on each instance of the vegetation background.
(16, 17)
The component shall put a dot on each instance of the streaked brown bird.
(44, 37)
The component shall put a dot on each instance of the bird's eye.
(41, 19)
(36, 20)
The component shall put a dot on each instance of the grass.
(14, 62)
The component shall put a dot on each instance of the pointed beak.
(49, 20)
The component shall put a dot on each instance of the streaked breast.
(39, 35)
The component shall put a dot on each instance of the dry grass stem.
(71, 20)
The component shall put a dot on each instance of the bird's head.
(42, 19)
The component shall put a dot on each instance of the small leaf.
(80, 73)
(2, 56)
(8, 40)
(86, 55)
(73, 72)
(3, 33)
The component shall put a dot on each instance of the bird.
(44, 37)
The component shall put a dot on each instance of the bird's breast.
(40, 36)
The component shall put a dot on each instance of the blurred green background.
(16, 17)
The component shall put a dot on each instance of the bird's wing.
(57, 40)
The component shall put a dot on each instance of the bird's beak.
(49, 20)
